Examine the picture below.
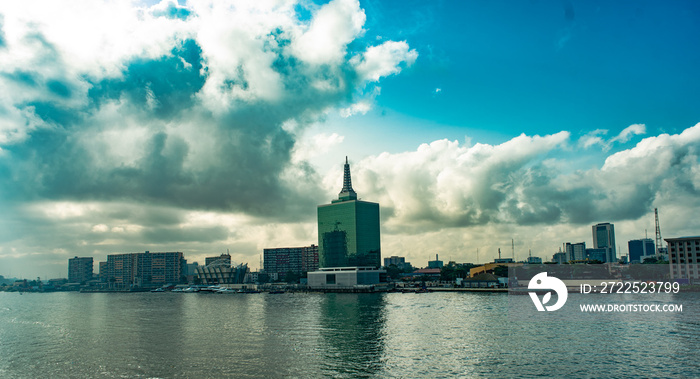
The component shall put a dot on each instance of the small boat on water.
(275, 292)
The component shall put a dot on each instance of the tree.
(291, 277)
(500, 270)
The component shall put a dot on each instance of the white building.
(344, 277)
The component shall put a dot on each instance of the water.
(170, 335)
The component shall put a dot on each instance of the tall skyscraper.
(348, 230)
(604, 238)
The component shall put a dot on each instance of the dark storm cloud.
(170, 82)
(176, 235)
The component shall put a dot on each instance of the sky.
(214, 126)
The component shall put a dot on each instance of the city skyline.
(180, 126)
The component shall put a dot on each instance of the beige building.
(683, 257)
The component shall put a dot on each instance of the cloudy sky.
(211, 125)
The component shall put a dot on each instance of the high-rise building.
(684, 258)
(309, 258)
(348, 230)
(145, 269)
(640, 248)
(80, 269)
(282, 260)
(604, 238)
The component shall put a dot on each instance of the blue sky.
(206, 126)
(507, 67)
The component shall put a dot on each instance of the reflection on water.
(352, 327)
(337, 335)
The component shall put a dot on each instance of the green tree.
(393, 271)
(500, 270)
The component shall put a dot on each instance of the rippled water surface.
(168, 335)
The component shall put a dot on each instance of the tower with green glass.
(348, 230)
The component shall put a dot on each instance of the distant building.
(221, 273)
(604, 238)
(309, 258)
(282, 260)
(145, 269)
(560, 257)
(534, 260)
(348, 230)
(224, 259)
(80, 269)
(503, 260)
(103, 272)
(596, 254)
(191, 271)
(436, 263)
(345, 277)
(639, 248)
(397, 261)
(490, 268)
(575, 251)
(684, 258)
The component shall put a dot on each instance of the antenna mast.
(658, 231)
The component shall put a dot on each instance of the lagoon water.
(171, 335)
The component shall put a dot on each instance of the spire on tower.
(347, 193)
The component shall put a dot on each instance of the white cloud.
(332, 28)
(384, 60)
(594, 137)
(360, 107)
(630, 131)
(318, 144)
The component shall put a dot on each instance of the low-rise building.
(345, 277)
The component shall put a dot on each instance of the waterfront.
(336, 335)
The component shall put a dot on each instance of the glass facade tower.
(348, 230)
(604, 238)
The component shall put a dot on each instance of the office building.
(604, 238)
(684, 255)
(80, 269)
(575, 251)
(640, 248)
(348, 230)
